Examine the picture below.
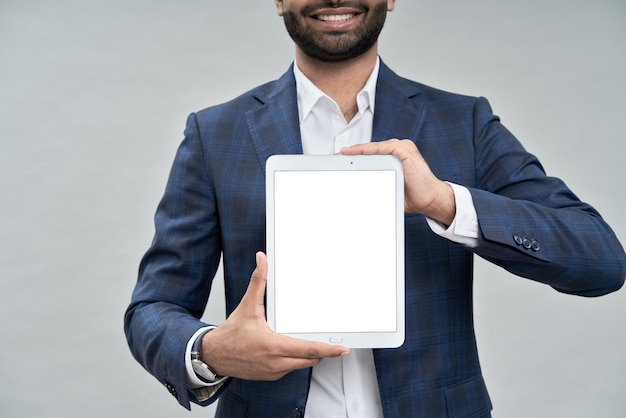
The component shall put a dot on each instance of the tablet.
(335, 248)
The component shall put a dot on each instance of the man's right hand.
(245, 347)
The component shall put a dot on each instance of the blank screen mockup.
(335, 251)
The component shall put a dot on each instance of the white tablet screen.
(334, 259)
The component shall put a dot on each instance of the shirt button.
(355, 405)
(296, 413)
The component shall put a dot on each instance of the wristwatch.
(200, 368)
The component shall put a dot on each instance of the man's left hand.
(423, 192)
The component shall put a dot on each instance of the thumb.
(256, 288)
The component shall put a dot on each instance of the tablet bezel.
(329, 163)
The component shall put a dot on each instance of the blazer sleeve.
(532, 224)
(176, 273)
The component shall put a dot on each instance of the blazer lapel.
(396, 113)
(274, 125)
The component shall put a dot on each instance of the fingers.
(399, 148)
(303, 349)
(293, 354)
(424, 192)
(262, 355)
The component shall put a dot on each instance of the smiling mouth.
(336, 18)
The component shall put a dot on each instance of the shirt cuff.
(192, 379)
(464, 228)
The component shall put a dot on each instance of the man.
(471, 188)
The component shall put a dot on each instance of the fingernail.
(258, 259)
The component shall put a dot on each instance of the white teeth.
(336, 18)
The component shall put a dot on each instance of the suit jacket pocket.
(468, 399)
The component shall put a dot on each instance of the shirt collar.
(309, 94)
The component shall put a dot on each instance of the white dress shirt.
(347, 387)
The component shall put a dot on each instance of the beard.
(336, 46)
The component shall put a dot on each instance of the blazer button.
(534, 244)
(526, 243)
(518, 240)
(171, 389)
(296, 413)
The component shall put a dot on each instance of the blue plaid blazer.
(214, 204)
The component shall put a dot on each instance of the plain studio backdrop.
(93, 101)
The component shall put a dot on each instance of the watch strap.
(202, 370)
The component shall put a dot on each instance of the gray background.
(93, 101)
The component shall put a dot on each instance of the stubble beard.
(336, 46)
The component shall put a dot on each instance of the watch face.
(202, 370)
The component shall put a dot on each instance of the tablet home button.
(336, 340)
